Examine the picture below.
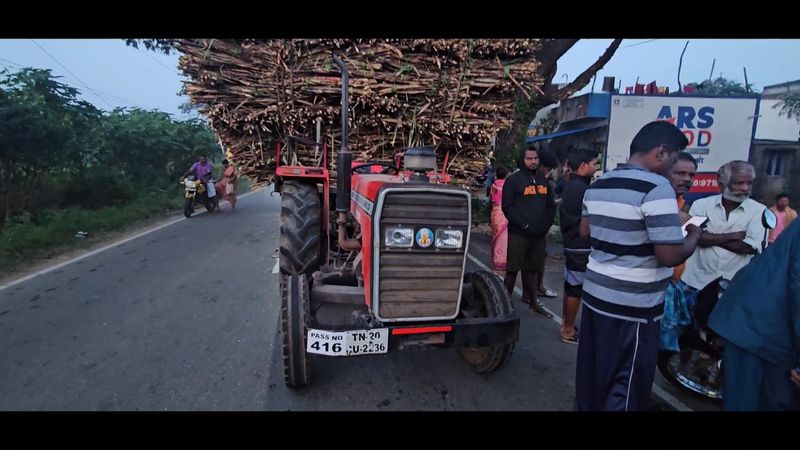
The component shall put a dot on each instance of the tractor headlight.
(398, 237)
(446, 238)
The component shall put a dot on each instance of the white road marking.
(666, 396)
(483, 266)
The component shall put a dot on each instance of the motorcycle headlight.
(398, 237)
(446, 238)
(189, 183)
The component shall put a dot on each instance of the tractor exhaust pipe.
(343, 169)
(346, 243)
(344, 158)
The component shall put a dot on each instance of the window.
(776, 163)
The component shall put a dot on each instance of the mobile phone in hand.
(698, 221)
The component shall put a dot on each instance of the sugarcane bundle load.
(453, 93)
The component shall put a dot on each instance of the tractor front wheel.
(488, 299)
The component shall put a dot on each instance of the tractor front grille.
(421, 283)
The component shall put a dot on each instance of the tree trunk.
(27, 193)
(583, 79)
(511, 142)
(6, 189)
(552, 50)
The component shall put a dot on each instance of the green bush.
(243, 187)
(99, 189)
(29, 236)
(481, 210)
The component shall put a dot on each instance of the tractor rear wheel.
(300, 228)
(489, 299)
(294, 329)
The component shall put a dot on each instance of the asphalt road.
(186, 318)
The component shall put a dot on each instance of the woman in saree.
(499, 223)
(226, 187)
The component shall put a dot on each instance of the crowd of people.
(636, 260)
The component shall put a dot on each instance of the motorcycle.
(196, 192)
(697, 367)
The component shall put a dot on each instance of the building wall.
(778, 90)
(586, 106)
(573, 109)
(773, 125)
(767, 186)
(776, 141)
(594, 139)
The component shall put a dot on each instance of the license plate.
(348, 343)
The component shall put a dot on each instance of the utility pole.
(680, 63)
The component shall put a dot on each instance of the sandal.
(570, 340)
(538, 308)
(548, 293)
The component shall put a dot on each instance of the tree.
(139, 150)
(511, 142)
(720, 87)
(791, 106)
(40, 130)
(165, 46)
(57, 150)
(150, 146)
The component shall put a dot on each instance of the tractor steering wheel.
(364, 168)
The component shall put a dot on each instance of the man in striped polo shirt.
(631, 217)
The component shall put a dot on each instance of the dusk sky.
(110, 74)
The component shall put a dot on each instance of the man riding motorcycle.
(202, 170)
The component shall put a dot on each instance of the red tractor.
(386, 252)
